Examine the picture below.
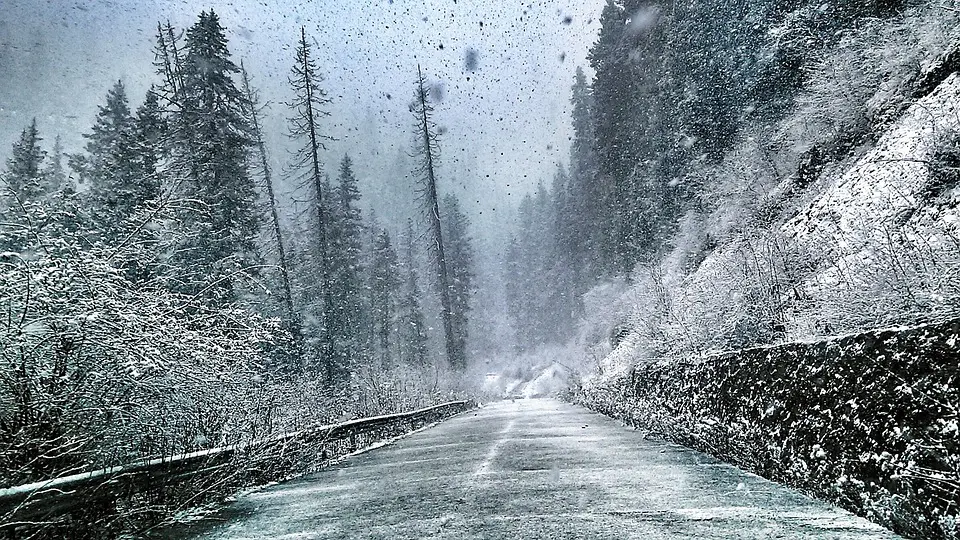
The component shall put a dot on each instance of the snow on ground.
(532, 468)
(855, 214)
(852, 230)
(549, 382)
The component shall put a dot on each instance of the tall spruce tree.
(32, 191)
(541, 295)
(566, 255)
(617, 152)
(56, 174)
(149, 133)
(168, 61)
(24, 176)
(581, 224)
(135, 201)
(287, 355)
(308, 108)
(346, 267)
(212, 139)
(384, 287)
(252, 103)
(411, 334)
(517, 294)
(120, 164)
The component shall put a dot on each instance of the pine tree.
(168, 59)
(37, 198)
(384, 285)
(460, 256)
(345, 267)
(566, 253)
(515, 280)
(253, 112)
(308, 108)
(581, 221)
(288, 355)
(149, 133)
(428, 150)
(212, 140)
(24, 176)
(614, 93)
(539, 278)
(120, 165)
(411, 335)
(55, 174)
(109, 136)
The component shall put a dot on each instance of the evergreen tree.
(253, 112)
(308, 108)
(613, 94)
(345, 267)
(517, 287)
(120, 164)
(541, 293)
(38, 198)
(384, 286)
(582, 225)
(24, 176)
(459, 252)
(288, 355)
(168, 59)
(55, 174)
(212, 141)
(411, 336)
(149, 133)
(110, 131)
(566, 258)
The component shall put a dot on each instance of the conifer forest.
(224, 224)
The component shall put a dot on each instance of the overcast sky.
(507, 122)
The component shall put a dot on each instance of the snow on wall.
(866, 421)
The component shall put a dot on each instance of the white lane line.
(484, 467)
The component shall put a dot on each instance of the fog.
(505, 70)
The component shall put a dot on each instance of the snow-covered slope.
(866, 246)
(881, 192)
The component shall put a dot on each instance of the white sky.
(507, 124)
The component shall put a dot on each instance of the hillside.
(839, 217)
(800, 317)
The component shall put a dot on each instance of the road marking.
(484, 467)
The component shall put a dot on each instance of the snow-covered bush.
(768, 252)
(863, 81)
(96, 370)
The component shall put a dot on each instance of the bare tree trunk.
(455, 352)
(316, 176)
(268, 181)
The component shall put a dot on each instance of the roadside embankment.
(866, 421)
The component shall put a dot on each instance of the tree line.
(159, 300)
(674, 85)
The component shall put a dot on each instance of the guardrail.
(59, 500)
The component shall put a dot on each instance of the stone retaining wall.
(867, 421)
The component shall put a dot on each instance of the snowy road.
(528, 469)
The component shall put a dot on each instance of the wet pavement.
(527, 469)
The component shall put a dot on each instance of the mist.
(503, 71)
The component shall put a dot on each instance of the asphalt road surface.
(527, 469)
